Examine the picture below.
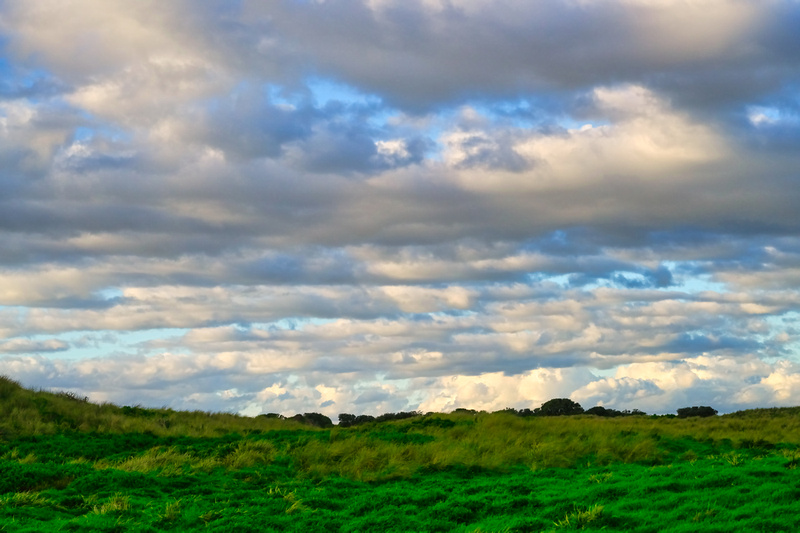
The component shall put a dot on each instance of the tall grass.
(26, 412)
(69, 465)
(395, 449)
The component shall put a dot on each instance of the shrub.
(317, 420)
(313, 419)
(599, 410)
(702, 411)
(347, 420)
(402, 415)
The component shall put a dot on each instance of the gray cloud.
(446, 52)
(371, 205)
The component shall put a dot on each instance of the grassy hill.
(69, 464)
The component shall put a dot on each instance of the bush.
(347, 420)
(599, 410)
(702, 411)
(317, 420)
(386, 417)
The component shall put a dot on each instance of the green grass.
(709, 494)
(69, 465)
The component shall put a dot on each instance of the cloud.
(377, 204)
(728, 384)
(495, 391)
(28, 346)
(449, 51)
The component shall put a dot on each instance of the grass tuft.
(706, 514)
(580, 517)
(172, 511)
(23, 499)
(116, 504)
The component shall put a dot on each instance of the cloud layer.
(373, 205)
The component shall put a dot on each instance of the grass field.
(69, 465)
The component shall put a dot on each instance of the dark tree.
(386, 417)
(363, 419)
(559, 407)
(701, 411)
(599, 410)
(346, 420)
(606, 412)
(313, 419)
(318, 420)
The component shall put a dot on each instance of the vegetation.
(347, 420)
(599, 410)
(314, 419)
(559, 407)
(70, 465)
(702, 411)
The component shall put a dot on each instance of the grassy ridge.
(67, 464)
(26, 412)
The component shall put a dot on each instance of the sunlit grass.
(580, 517)
(69, 465)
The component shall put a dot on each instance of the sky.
(371, 206)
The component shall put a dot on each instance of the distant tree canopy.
(565, 406)
(558, 407)
(347, 420)
(271, 415)
(702, 411)
(313, 419)
(606, 412)
(554, 407)
(398, 416)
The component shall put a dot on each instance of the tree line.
(554, 407)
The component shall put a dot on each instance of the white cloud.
(495, 391)
(381, 205)
(725, 383)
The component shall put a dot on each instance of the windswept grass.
(24, 412)
(69, 465)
